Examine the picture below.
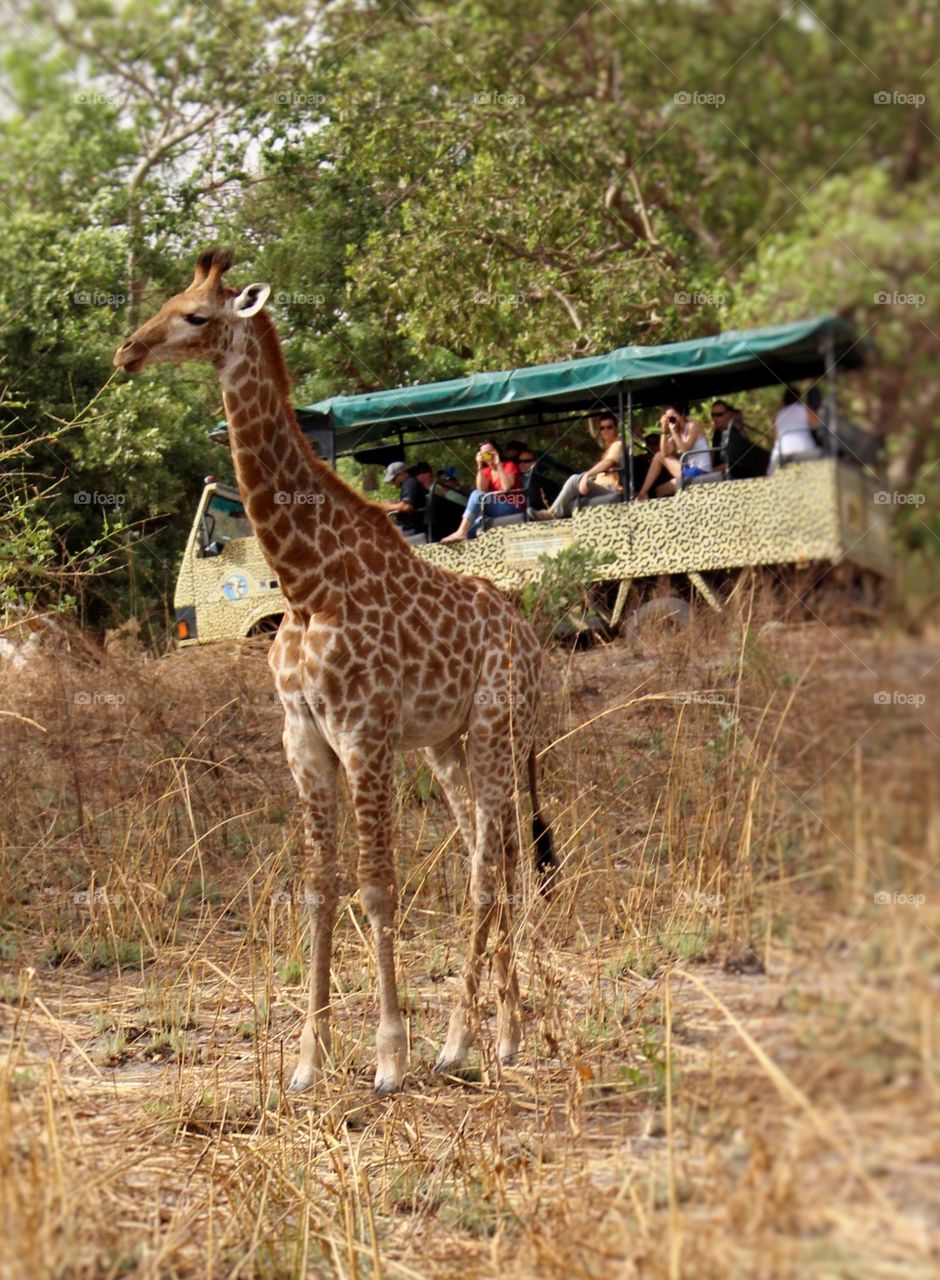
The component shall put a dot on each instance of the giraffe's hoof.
(302, 1079)
(509, 1058)
(447, 1062)
(387, 1084)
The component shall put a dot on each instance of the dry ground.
(730, 1063)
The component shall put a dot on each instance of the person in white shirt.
(794, 424)
(681, 435)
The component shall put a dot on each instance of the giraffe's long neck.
(318, 536)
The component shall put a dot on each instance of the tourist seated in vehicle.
(495, 475)
(542, 478)
(599, 481)
(446, 500)
(408, 511)
(794, 425)
(725, 419)
(735, 454)
(681, 435)
(529, 479)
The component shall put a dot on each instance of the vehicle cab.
(224, 589)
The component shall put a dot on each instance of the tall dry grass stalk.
(730, 1058)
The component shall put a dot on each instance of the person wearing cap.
(409, 509)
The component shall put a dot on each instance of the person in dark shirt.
(409, 509)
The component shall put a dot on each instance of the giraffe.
(378, 651)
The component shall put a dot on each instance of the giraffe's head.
(201, 323)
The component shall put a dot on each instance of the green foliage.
(432, 189)
(562, 591)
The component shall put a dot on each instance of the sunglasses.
(719, 413)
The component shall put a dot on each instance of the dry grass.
(730, 1063)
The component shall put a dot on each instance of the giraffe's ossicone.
(379, 651)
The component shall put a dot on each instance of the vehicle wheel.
(266, 626)
(664, 615)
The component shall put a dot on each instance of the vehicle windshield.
(227, 519)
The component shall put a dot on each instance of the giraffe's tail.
(546, 860)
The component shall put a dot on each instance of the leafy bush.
(559, 600)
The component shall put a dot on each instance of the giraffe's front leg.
(314, 767)
(321, 891)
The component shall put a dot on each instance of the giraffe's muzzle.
(132, 356)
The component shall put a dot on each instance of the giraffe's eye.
(194, 319)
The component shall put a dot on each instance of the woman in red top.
(495, 474)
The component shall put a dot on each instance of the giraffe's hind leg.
(449, 763)
(314, 767)
(492, 888)
(504, 964)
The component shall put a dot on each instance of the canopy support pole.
(830, 375)
(626, 442)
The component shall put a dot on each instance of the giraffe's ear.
(251, 299)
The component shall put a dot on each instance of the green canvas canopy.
(692, 370)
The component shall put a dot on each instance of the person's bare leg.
(461, 533)
(652, 476)
(674, 467)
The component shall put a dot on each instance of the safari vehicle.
(815, 511)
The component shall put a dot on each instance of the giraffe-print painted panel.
(811, 511)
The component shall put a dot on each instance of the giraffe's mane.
(266, 335)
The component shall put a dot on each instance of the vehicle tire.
(266, 626)
(664, 614)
